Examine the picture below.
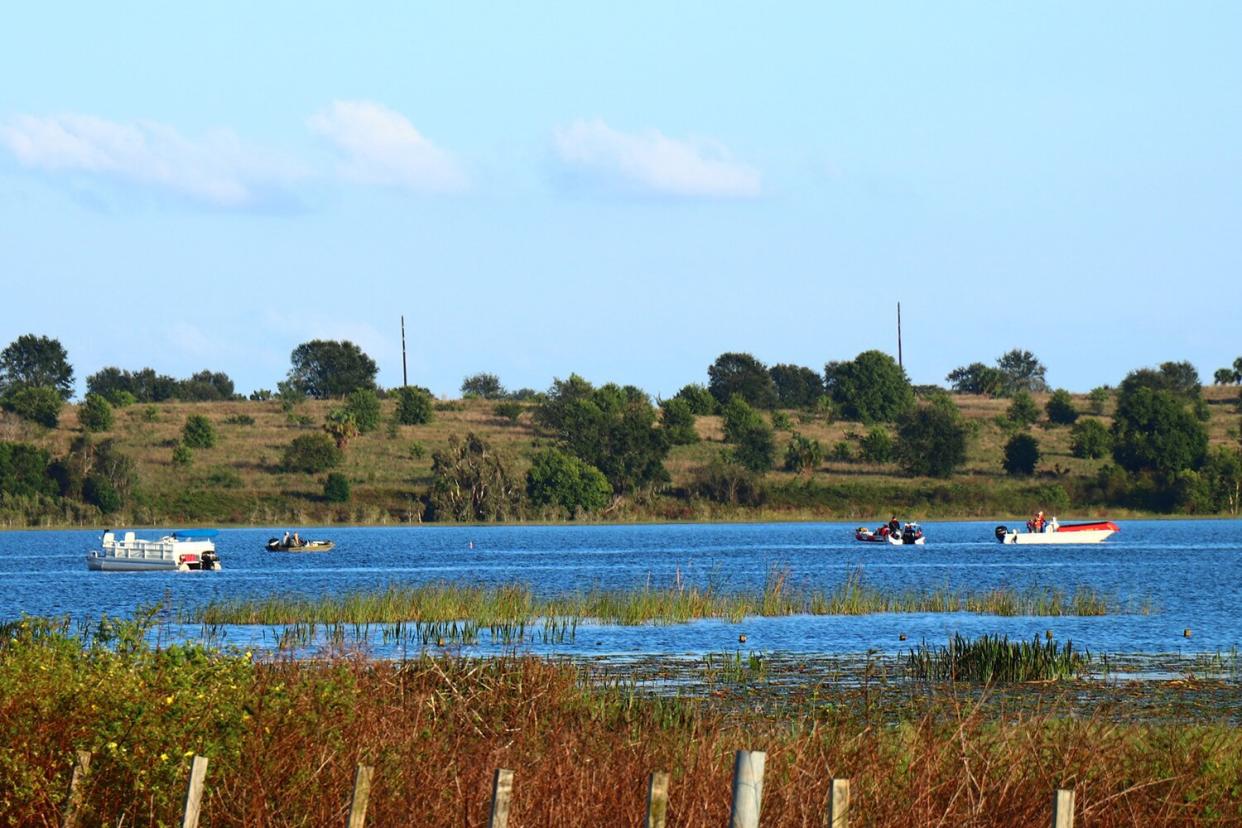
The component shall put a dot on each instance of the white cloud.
(651, 162)
(216, 169)
(380, 146)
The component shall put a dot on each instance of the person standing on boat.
(285, 542)
(1037, 522)
(894, 526)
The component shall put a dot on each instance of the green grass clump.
(996, 659)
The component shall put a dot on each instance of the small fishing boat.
(911, 534)
(277, 545)
(182, 551)
(1057, 533)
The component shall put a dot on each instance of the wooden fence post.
(747, 788)
(1063, 809)
(362, 793)
(194, 792)
(74, 806)
(657, 800)
(838, 815)
(502, 793)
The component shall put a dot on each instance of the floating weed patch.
(996, 659)
(510, 611)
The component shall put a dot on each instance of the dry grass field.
(239, 480)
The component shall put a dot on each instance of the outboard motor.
(1001, 531)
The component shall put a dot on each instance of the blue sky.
(622, 192)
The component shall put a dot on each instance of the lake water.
(1190, 572)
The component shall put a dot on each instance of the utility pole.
(899, 362)
(405, 378)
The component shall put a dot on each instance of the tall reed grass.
(675, 604)
(994, 658)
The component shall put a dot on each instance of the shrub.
(484, 385)
(1022, 410)
(364, 405)
(1060, 408)
(931, 440)
(38, 404)
(198, 432)
(413, 405)
(311, 453)
(182, 455)
(508, 409)
(842, 453)
(1090, 440)
(803, 454)
(876, 446)
(557, 478)
(99, 491)
(1021, 455)
(341, 426)
(677, 418)
(95, 413)
(239, 420)
(701, 401)
(781, 422)
(417, 450)
(150, 414)
(1098, 398)
(336, 488)
(871, 388)
(121, 398)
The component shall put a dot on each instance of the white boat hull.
(1057, 538)
(896, 540)
(172, 553)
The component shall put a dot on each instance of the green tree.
(612, 428)
(198, 432)
(508, 409)
(413, 405)
(796, 386)
(871, 388)
(205, 386)
(754, 445)
(182, 455)
(472, 482)
(677, 420)
(38, 404)
(95, 414)
(312, 454)
(336, 488)
(1237, 370)
(98, 491)
(1090, 439)
(1060, 408)
(803, 454)
(35, 362)
(364, 405)
(1021, 455)
(700, 400)
(24, 470)
(1224, 376)
(327, 368)
(977, 378)
(1022, 410)
(1154, 431)
(1098, 398)
(1178, 378)
(486, 386)
(876, 446)
(560, 479)
(931, 439)
(743, 375)
(1021, 372)
(341, 426)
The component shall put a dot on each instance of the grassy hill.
(239, 480)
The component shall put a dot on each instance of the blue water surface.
(1188, 572)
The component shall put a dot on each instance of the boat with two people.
(186, 550)
(892, 532)
(1042, 531)
(295, 543)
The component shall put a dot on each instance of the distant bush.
(1090, 440)
(803, 454)
(876, 446)
(699, 399)
(417, 450)
(95, 413)
(1022, 410)
(414, 405)
(841, 452)
(239, 420)
(198, 432)
(311, 453)
(781, 421)
(260, 395)
(182, 455)
(99, 491)
(1021, 455)
(1060, 408)
(336, 488)
(150, 414)
(299, 420)
(1098, 398)
(677, 418)
(508, 409)
(121, 399)
(224, 478)
(39, 404)
(364, 405)
(482, 385)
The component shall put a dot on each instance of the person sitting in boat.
(298, 541)
(894, 526)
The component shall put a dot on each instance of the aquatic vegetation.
(992, 658)
(509, 609)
